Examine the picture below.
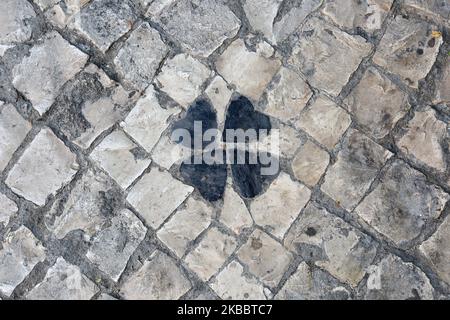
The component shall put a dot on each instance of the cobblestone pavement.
(95, 203)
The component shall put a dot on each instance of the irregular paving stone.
(265, 258)
(16, 26)
(157, 195)
(233, 284)
(120, 157)
(43, 169)
(148, 120)
(235, 214)
(13, 129)
(425, 140)
(289, 142)
(393, 279)
(310, 163)
(442, 94)
(402, 205)
(182, 77)
(201, 26)
(220, 96)
(437, 251)
(408, 49)
(139, 58)
(158, 279)
(280, 205)
(157, 6)
(51, 63)
(211, 253)
(64, 281)
(368, 14)
(312, 284)
(438, 9)
(185, 226)
(379, 115)
(113, 246)
(64, 12)
(7, 209)
(328, 56)
(45, 4)
(325, 122)
(167, 152)
(357, 166)
(332, 244)
(20, 253)
(249, 71)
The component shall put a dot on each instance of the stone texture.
(331, 244)
(327, 56)
(43, 169)
(402, 205)
(158, 279)
(310, 164)
(63, 281)
(235, 214)
(438, 9)
(443, 87)
(357, 165)
(20, 253)
(220, 95)
(166, 152)
(7, 209)
(62, 13)
(16, 16)
(45, 4)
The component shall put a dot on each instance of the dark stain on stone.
(311, 232)
(419, 51)
(247, 178)
(256, 244)
(432, 42)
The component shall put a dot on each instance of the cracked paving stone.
(200, 26)
(433, 9)
(332, 244)
(13, 129)
(139, 58)
(232, 283)
(219, 94)
(312, 284)
(310, 164)
(113, 246)
(45, 167)
(211, 253)
(327, 56)
(51, 63)
(185, 226)
(235, 214)
(249, 71)
(437, 251)
(64, 281)
(403, 204)
(157, 195)
(280, 205)
(378, 116)
(20, 253)
(266, 258)
(357, 165)
(393, 279)
(425, 140)
(158, 279)
(7, 209)
(442, 94)
(408, 49)
(182, 78)
(325, 122)
(121, 158)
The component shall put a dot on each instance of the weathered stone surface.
(64, 281)
(220, 96)
(16, 16)
(158, 279)
(13, 129)
(443, 87)
(185, 226)
(64, 12)
(182, 77)
(285, 146)
(310, 163)
(113, 246)
(265, 258)
(200, 26)
(332, 244)
(402, 205)
(211, 253)
(20, 253)
(377, 103)
(328, 56)
(280, 205)
(157, 6)
(312, 284)
(357, 166)
(425, 140)
(45, 4)
(157, 195)
(249, 71)
(437, 251)
(51, 63)
(105, 297)
(408, 49)
(44, 168)
(166, 152)
(7, 209)
(139, 58)
(393, 279)
(437, 9)
(233, 284)
(325, 122)
(235, 214)
(119, 156)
